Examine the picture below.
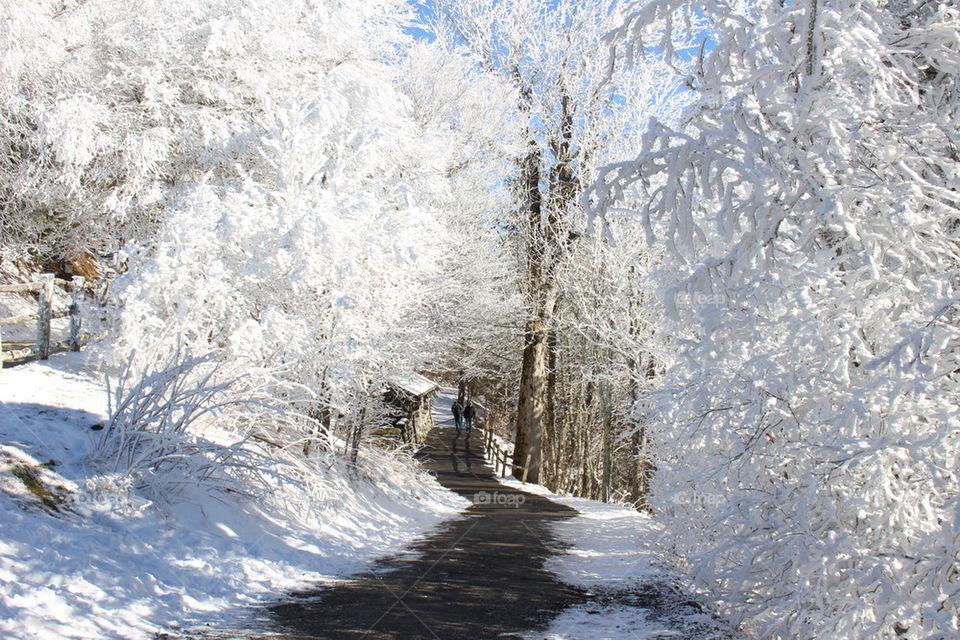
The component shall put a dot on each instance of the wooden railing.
(500, 456)
(44, 316)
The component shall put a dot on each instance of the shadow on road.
(477, 577)
(480, 576)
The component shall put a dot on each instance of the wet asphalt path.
(475, 577)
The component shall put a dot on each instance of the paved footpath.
(478, 576)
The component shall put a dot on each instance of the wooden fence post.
(75, 320)
(44, 316)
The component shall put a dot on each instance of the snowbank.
(611, 546)
(82, 556)
(613, 554)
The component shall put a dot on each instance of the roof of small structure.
(413, 383)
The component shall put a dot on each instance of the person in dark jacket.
(469, 413)
(457, 410)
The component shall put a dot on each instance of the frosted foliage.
(808, 456)
(309, 264)
(92, 93)
(469, 120)
(325, 184)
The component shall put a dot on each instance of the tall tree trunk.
(532, 406)
(548, 242)
(534, 384)
(606, 415)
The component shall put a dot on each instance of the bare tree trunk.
(357, 435)
(811, 32)
(607, 417)
(532, 405)
(548, 242)
(533, 373)
(644, 468)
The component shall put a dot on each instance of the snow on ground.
(613, 555)
(612, 547)
(82, 556)
(603, 621)
(442, 402)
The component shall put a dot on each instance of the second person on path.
(469, 412)
(457, 411)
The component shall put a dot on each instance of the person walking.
(469, 412)
(457, 411)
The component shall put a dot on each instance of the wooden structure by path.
(411, 394)
(44, 344)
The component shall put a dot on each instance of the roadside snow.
(107, 563)
(606, 622)
(613, 555)
(612, 547)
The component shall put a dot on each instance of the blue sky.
(425, 11)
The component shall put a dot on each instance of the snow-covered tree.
(300, 248)
(471, 119)
(332, 235)
(808, 203)
(579, 114)
(109, 104)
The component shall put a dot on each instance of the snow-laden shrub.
(182, 424)
(164, 409)
(808, 447)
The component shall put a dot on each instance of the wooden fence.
(45, 314)
(500, 456)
